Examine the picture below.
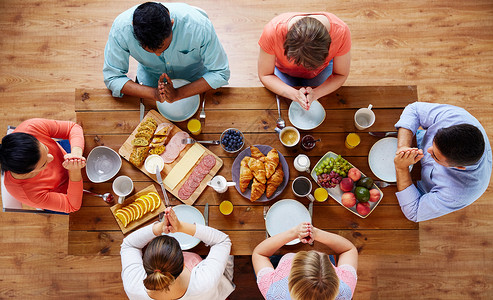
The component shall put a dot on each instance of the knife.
(310, 210)
(142, 109)
(206, 214)
(383, 134)
(160, 181)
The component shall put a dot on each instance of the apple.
(346, 184)
(348, 199)
(363, 208)
(354, 174)
(374, 195)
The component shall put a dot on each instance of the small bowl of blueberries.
(232, 140)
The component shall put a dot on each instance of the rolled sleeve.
(409, 202)
(116, 62)
(215, 60)
(409, 118)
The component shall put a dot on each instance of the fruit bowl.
(336, 192)
(232, 140)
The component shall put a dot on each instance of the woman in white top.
(165, 272)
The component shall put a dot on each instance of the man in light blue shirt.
(455, 156)
(173, 42)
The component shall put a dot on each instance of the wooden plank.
(249, 217)
(261, 98)
(380, 242)
(248, 121)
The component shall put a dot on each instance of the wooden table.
(108, 121)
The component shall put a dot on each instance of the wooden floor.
(49, 48)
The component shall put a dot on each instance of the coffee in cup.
(289, 136)
(302, 187)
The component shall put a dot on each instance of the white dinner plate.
(306, 119)
(189, 214)
(284, 215)
(381, 159)
(182, 109)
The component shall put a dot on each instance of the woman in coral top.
(310, 51)
(38, 171)
(306, 274)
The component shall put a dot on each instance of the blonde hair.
(163, 263)
(312, 277)
(307, 43)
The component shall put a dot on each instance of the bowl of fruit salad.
(232, 140)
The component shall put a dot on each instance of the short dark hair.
(152, 25)
(462, 144)
(19, 153)
(163, 262)
(307, 43)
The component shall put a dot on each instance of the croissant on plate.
(274, 181)
(258, 190)
(256, 152)
(258, 169)
(271, 161)
(245, 174)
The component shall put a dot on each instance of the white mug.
(220, 184)
(295, 133)
(302, 163)
(302, 187)
(122, 186)
(364, 118)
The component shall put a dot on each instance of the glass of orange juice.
(194, 126)
(321, 194)
(352, 140)
(226, 207)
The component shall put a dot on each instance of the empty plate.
(284, 215)
(306, 119)
(189, 214)
(182, 109)
(381, 159)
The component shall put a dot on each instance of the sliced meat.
(209, 161)
(174, 147)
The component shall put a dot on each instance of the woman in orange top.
(38, 172)
(304, 50)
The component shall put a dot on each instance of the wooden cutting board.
(135, 224)
(126, 149)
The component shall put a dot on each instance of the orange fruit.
(157, 200)
(127, 215)
(135, 213)
(139, 209)
(140, 202)
(132, 215)
(148, 201)
(122, 217)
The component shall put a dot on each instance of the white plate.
(284, 215)
(381, 159)
(182, 109)
(306, 119)
(189, 214)
(336, 192)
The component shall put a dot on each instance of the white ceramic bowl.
(102, 164)
(152, 161)
(306, 119)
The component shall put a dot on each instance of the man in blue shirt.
(179, 43)
(455, 156)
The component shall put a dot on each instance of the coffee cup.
(122, 186)
(302, 163)
(302, 187)
(364, 118)
(289, 136)
(220, 184)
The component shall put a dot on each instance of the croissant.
(256, 152)
(271, 161)
(245, 174)
(258, 190)
(274, 181)
(258, 169)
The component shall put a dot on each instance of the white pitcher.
(220, 184)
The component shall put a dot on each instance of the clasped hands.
(304, 232)
(73, 161)
(305, 96)
(165, 90)
(406, 156)
(170, 222)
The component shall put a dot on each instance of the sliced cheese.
(181, 169)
